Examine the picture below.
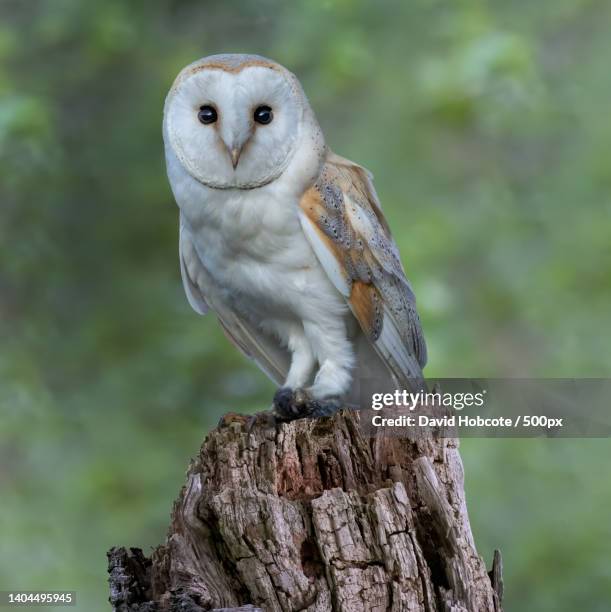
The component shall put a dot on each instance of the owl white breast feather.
(284, 240)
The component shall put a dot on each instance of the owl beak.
(234, 144)
(235, 153)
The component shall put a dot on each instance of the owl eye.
(263, 115)
(207, 114)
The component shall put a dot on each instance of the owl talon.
(301, 398)
(325, 408)
(283, 404)
(292, 404)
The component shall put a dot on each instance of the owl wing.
(191, 270)
(343, 221)
(251, 341)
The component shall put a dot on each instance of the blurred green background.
(488, 128)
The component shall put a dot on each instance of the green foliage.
(487, 127)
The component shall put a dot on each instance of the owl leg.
(292, 404)
(302, 360)
(329, 346)
(289, 401)
(335, 355)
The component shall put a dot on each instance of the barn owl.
(284, 240)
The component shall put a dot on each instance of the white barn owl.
(283, 240)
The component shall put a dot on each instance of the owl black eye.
(263, 115)
(207, 114)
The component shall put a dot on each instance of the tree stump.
(313, 516)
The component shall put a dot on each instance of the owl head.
(238, 121)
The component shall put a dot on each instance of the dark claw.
(324, 408)
(290, 405)
(283, 401)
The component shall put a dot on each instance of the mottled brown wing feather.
(343, 220)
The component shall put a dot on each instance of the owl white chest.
(252, 246)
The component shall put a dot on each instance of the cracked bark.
(313, 516)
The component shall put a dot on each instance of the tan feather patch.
(227, 63)
(234, 67)
(365, 304)
(314, 209)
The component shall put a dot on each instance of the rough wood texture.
(314, 516)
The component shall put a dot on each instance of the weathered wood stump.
(314, 516)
